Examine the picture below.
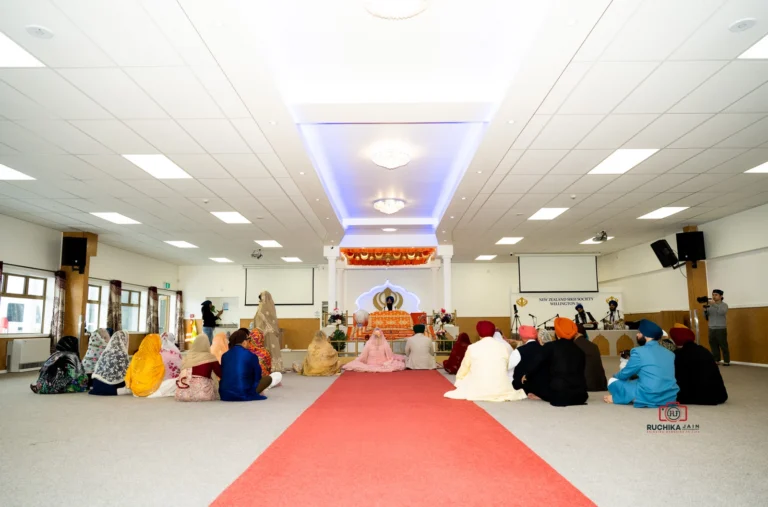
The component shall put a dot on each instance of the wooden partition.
(469, 324)
(134, 340)
(297, 333)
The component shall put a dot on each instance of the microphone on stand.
(515, 306)
(531, 316)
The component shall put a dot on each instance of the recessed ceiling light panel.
(181, 244)
(6, 173)
(230, 217)
(220, 259)
(591, 241)
(509, 241)
(662, 213)
(291, 259)
(268, 243)
(485, 257)
(116, 218)
(621, 161)
(159, 166)
(758, 51)
(14, 56)
(547, 213)
(761, 169)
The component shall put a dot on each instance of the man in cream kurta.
(483, 372)
(419, 351)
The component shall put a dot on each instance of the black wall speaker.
(664, 253)
(690, 246)
(73, 252)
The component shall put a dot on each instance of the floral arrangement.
(442, 318)
(336, 317)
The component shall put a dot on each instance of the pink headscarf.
(377, 341)
(171, 357)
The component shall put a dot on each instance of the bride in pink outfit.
(377, 356)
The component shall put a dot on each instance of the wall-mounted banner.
(545, 305)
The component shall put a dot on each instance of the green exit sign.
(167, 285)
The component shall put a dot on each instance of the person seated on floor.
(146, 370)
(696, 371)
(172, 367)
(195, 382)
(242, 370)
(256, 343)
(500, 338)
(63, 372)
(667, 342)
(655, 368)
(594, 371)
(523, 357)
(322, 360)
(452, 364)
(377, 357)
(221, 345)
(97, 342)
(565, 362)
(419, 350)
(109, 374)
(483, 372)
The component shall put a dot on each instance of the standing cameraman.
(718, 333)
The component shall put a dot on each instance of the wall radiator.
(28, 354)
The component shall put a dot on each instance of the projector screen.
(288, 286)
(557, 273)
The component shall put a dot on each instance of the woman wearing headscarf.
(63, 372)
(109, 374)
(97, 343)
(172, 367)
(146, 371)
(242, 370)
(220, 346)
(451, 365)
(566, 363)
(209, 319)
(377, 357)
(696, 372)
(255, 343)
(322, 359)
(195, 382)
(266, 320)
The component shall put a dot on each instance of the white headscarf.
(113, 362)
(96, 345)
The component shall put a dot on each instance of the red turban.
(485, 328)
(527, 333)
(681, 335)
(565, 328)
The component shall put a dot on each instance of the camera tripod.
(515, 326)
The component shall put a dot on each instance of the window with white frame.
(93, 308)
(130, 302)
(163, 312)
(22, 304)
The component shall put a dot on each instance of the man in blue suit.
(655, 368)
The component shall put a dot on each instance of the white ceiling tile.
(16, 106)
(7, 150)
(669, 83)
(664, 182)
(123, 30)
(694, 199)
(503, 201)
(533, 201)
(152, 188)
(715, 130)
(627, 182)
(531, 130)
(580, 161)
(730, 84)
(742, 162)
(116, 166)
(53, 92)
(200, 165)
(741, 184)
(49, 190)
(491, 183)
(666, 129)
(189, 188)
(106, 187)
(598, 200)
(518, 183)
(615, 130)
(165, 135)
(509, 160)
(64, 135)
(116, 92)
(225, 187)
(290, 187)
(274, 165)
(590, 183)
(538, 161)
(703, 181)
(554, 183)
(11, 190)
(565, 131)
(246, 165)
(605, 85)
(754, 102)
(177, 91)
(115, 135)
(706, 160)
(563, 87)
(613, 19)
(219, 87)
(252, 134)
(262, 187)
(177, 28)
(664, 160)
(216, 136)
(52, 167)
(751, 137)
(24, 141)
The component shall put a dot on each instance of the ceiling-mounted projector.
(257, 254)
(600, 237)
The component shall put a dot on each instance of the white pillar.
(447, 283)
(435, 294)
(332, 254)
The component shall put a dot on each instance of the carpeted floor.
(126, 451)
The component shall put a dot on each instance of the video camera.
(703, 299)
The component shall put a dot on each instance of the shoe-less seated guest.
(483, 372)
(525, 356)
(146, 370)
(97, 342)
(322, 359)
(594, 371)
(63, 372)
(452, 364)
(242, 378)
(220, 345)
(109, 374)
(655, 368)
(197, 366)
(419, 350)
(696, 371)
(377, 357)
(565, 362)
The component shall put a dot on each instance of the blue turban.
(650, 329)
(579, 306)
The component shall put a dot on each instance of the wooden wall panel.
(297, 333)
(134, 340)
(4, 352)
(468, 325)
(748, 334)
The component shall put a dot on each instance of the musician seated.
(614, 319)
(584, 318)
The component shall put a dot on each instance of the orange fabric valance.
(412, 256)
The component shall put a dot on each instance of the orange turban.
(677, 324)
(528, 333)
(485, 328)
(565, 328)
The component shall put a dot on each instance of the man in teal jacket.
(655, 368)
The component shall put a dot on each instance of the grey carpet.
(77, 449)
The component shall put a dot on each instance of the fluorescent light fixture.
(547, 213)
(268, 243)
(6, 173)
(662, 213)
(13, 55)
(508, 241)
(591, 241)
(116, 218)
(159, 166)
(389, 229)
(621, 161)
(181, 244)
(758, 51)
(219, 259)
(485, 257)
(230, 217)
(291, 259)
(761, 169)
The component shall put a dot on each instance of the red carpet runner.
(392, 439)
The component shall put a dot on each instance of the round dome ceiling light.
(390, 158)
(389, 206)
(395, 9)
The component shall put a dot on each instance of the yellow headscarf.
(322, 359)
(220, 345)
(145, 373)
